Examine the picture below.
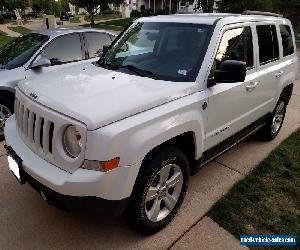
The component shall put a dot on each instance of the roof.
(63, 31)
(209, 18)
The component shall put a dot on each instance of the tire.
(274, 124)
(161, 193)
(6, 110)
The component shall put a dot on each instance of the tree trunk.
(207, 6)
(204, 6)
(92, 20)
(210, 7)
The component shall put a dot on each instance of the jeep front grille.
(34, 128)
(41, 129)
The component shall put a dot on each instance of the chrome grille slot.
(33, 127)
(51, 130)
(42, 132)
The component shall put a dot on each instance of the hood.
(98, 97)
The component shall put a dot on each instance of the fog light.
(103, 166)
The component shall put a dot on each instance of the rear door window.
(287, 40)
(268, 43)
(95, 43)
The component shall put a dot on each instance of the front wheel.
(273, 126)
(159, 191)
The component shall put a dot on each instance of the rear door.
(269, 66)
(231, 105)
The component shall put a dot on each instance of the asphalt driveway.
(27, 222)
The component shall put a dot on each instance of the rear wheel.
(6, 110)
(159, 191)
(273, 126)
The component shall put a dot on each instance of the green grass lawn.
(19, 29)
(103, 17)
(107, 17)
(75, 19)
(4, 38)
(267, 201)
(116, 25)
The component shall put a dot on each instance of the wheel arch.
(287, 91)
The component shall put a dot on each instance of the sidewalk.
(5, 29)
(206, 234)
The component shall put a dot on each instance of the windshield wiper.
(132, 68)
(140, 72)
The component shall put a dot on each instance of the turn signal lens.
(103, 166)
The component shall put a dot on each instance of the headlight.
(72, 141)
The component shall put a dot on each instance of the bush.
(163, 12)
(148, 12)
(135, 13)
(109, 12)
(145, 12)
(2, 19)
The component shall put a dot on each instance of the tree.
(93, 6)
(289, 8)
(242, 5)
(16, 4)
(207, 6)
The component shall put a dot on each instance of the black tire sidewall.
(167, 156)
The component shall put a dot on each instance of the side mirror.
(41, 62)
(231, 71)
(105, 48)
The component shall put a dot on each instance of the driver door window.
(64, 49)
(236, 44)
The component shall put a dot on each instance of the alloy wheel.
(278, 117)
(163, 192)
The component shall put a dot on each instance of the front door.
(230, 106)
(64, 51)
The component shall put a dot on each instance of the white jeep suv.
(169, 94)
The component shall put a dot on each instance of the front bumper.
(87, 185)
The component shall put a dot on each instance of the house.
(173, 6)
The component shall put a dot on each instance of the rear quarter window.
(268, 43)
(287, 40)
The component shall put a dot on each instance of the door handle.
(251, 86)
(278, 74)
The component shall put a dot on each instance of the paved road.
(27, 222)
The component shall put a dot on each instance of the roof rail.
(252, 12)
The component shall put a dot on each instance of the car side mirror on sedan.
(40, 62)
(105, 48)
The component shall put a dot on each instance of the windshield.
(168, 51)
(20, 50)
